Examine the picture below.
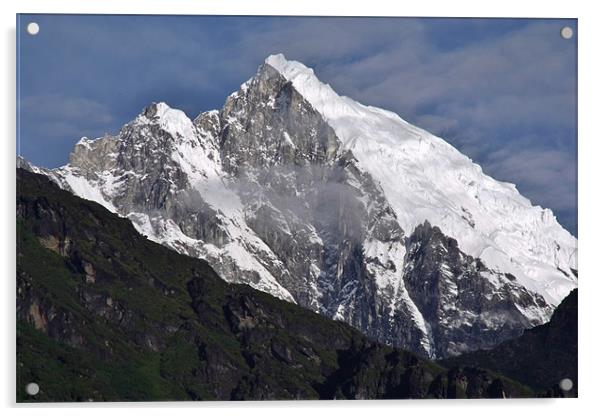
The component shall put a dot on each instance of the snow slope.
(425, 178)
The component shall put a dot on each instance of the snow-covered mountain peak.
(158, 110)
(425, 178)
(173, 121)
(288, 68)
(321, 95)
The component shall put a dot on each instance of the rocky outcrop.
(467, 306)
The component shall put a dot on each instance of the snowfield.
(425, 178)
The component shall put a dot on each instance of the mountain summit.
(425, 178)
(339, 207)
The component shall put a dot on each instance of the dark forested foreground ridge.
(105, 314)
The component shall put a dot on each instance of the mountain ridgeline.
(104, 314)
(343, 209)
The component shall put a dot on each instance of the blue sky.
(503, 91)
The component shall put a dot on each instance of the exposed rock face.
(324, 217)
(462, 299)
(265, 191)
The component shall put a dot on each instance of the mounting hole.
(566, 384)
(32, 389)
(566, 32)
(33, 28)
